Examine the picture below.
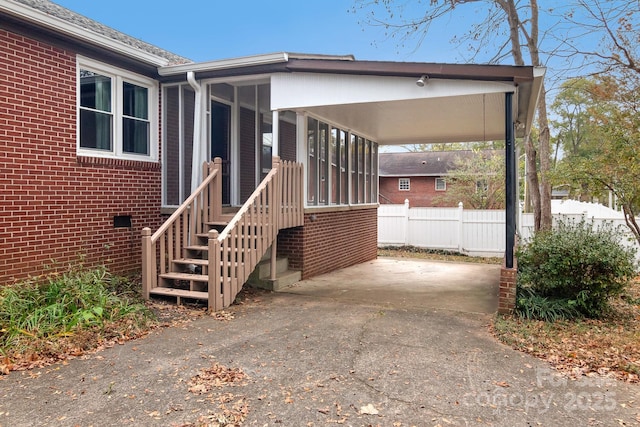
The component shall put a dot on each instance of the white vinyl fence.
(472, 232)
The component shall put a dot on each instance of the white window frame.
(443, 186)
(118, 77)
(404, 182)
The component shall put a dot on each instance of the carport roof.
(380, 99)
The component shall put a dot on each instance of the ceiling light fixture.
(422, 81)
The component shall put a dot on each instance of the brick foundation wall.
(56, 207)
(330, 240)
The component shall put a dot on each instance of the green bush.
(576, 265)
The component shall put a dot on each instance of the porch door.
(220, 143)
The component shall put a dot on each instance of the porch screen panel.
(323, 153)
(172, 146)
(353, 148)
(312, 169)
(361, 169)
(343, 167)
(374, 172)
(367, 171)
(247, 153)
(335, 175)
(188, 100)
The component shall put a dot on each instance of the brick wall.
(56, 207)
(422, 192)
(330, 240)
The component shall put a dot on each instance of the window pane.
(135, 101)
(95, 130)
(95, 91)
(135, 136)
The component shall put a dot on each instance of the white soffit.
(394, 110)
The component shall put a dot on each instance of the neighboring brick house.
(102, 134)
(420, 177)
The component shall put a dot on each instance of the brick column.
(507, 295)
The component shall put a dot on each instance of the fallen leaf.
(369, 410)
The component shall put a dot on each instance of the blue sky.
(204, 30)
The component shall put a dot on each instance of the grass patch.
(433, 254)
(609, 346)
(61, 315)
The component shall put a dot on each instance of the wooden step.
(180, 293)
(216, 223)
(194, 261)
(185, 277)
(201, 262)
(203, 248)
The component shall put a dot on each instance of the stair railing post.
(215, 297)
(216, 201)
(276, 209)
(147, 266)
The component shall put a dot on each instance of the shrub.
(532, 306)
(36, 313)
(577, 265)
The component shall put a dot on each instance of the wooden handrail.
(183, 207)
(245, 207)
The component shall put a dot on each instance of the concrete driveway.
(405, 282)
(313, 360)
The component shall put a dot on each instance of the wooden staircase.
(204, 253)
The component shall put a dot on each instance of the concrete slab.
(416, 283)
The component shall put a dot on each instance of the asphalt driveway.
(316, 361)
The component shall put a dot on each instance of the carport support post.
(507, 297)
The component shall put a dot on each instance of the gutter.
(198, 155)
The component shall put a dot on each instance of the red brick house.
(103, 139)
(420, 177)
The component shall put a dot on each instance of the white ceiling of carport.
(394, 110)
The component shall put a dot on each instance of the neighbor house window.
(404, 184)
(441, 184)
(117, 114)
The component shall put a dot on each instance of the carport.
(403, 103)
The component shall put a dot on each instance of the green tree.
(511, 29)
(576, 134)
(613, 163)
(477, 181)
